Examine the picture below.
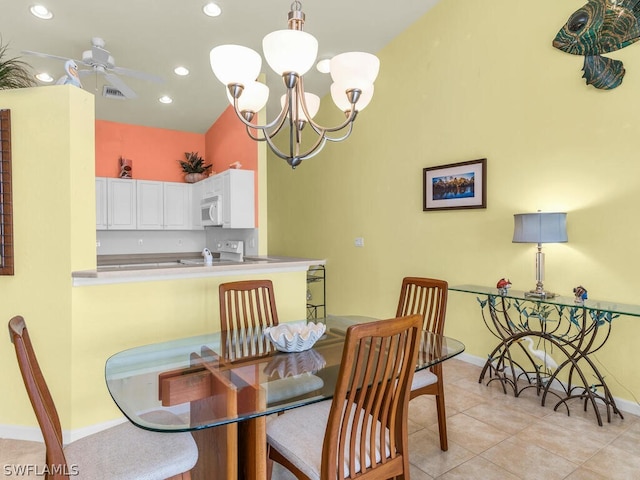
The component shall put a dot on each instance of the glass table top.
(210, 380)
(589, 305)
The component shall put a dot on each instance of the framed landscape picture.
(455, 186)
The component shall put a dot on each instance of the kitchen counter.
(145, 268)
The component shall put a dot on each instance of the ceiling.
(155, 36)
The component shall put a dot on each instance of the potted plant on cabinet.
(194, 167)
(14, 73)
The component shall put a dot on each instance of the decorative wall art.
(455, 186)
(601, 26)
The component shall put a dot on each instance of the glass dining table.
(222, 387)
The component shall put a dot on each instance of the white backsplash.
(123, 242)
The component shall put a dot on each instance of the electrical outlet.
(252, 242)
(140, 241)
(97, 243)
(359, 242)
(180, 242)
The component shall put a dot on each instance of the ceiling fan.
(100, 62)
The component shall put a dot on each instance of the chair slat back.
(367, 428)
(40, 396)
(426, 297)
(246, 308)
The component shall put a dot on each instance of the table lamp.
(541, 227)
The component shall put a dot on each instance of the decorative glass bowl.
(294, 337)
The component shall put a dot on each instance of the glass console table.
(545, 344)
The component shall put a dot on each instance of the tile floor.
(491, 436)
(497, 436)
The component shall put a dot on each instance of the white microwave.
(211, 211)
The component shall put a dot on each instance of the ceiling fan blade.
(86, 73)
(120, 85)
(46, 55)
(135, 74)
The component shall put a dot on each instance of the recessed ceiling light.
(44, 77)
(324, 66)
(41, 11)
(182, 71)
(165, 99)
(211, 9)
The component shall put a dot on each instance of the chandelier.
(291, 53)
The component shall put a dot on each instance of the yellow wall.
(475, 80)
(75, 329)
(53, 171)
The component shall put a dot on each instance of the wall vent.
(112, 92)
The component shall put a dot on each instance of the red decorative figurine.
(503, 286)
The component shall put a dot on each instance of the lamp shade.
(235, 64)
(290, 51)
(254, 97)
(541, 227)
(355, 69)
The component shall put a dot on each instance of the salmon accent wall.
(154, 151)
(227, 142)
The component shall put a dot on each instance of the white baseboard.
(33, 434)
(622, 404)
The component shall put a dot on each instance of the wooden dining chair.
(427, 297)
(246, 308)
(122, 452)
(364, 427)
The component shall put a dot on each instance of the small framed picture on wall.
(455, 186)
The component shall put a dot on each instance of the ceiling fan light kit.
(291, 54)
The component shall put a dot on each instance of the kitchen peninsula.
(170, 268)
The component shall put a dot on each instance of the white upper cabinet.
(121, 204)
(150, 198)
(238, 199)
(126, 204)
(176, 207)
(101, 203)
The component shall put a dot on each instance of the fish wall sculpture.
(601, 26)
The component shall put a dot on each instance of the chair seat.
(291, 387)
(307, 425)
(423, 378)
(126, 452)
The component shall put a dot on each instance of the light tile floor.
(491, 436)
(497, 436)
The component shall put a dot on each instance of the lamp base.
(539, 294)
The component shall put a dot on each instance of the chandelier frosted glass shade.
(290, 51)
(253, 98)
(291, 54)
(235, 64)
(355, 69)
